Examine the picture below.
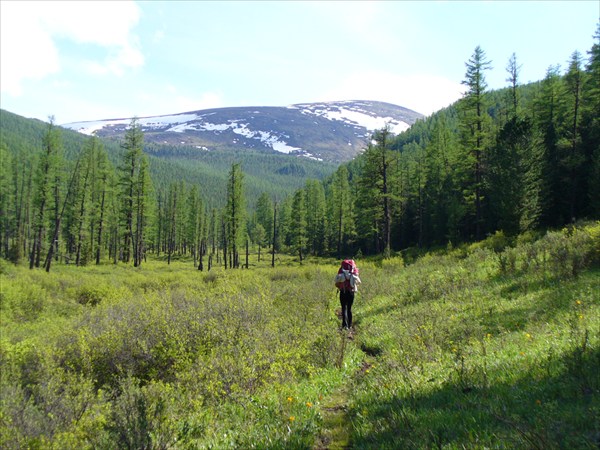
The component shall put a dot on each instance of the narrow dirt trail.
(336, 432)
(336, 423)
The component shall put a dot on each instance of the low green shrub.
(486, 346)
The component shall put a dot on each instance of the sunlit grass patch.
(450, 351)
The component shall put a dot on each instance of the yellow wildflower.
(292, 418)
(290, 399)
(308, 404)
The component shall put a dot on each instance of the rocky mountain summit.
(330, 131)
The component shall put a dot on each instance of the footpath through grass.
(489, 346)
(495, 345)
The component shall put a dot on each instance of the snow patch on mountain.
(180, 123)
(156, 122)
(352, 114)
(331, 131)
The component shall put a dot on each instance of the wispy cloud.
(170, 100)
(421, 93)
(30, 32)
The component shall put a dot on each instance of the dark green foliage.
(235, 216)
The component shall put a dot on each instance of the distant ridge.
(326, 131)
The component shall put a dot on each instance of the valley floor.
(482, 346)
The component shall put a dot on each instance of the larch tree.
(574, 158)
(22, 178)
(235, 215)
(128, 179)
(297, 230)
(315, 217)
(441, 196)
(264, 215)
(342, 210)
(6, 205)
(548, 128)
(48, 165)
(507, 162)
(375, 191)
(475, 122)
(590, 118)
(102, 196)
(143, 210)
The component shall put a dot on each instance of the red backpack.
(342, 282)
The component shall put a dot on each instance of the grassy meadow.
(491, 345)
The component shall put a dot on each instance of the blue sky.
(115, 59)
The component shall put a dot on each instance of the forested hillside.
(58, 182)
(519, 159)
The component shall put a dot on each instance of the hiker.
(347, 281)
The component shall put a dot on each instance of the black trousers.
(346, 299)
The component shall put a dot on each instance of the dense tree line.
(89, 210)
(516, 159)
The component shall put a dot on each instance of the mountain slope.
(274, 173)
(333, 131)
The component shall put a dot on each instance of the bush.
(570, 251)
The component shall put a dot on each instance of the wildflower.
(292, 418)
(290, 399)
(527, 335)
(308, 404)
(580, 316)
(538, 402)
(578, 302)
(489, 335)
(367, 371)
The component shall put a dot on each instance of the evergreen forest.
(518, 159)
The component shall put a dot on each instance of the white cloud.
(422, 93)
(26, 50)
(29, 48)
(171, 101)
(206, 100)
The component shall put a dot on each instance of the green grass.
(484, 346)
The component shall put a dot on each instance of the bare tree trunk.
(54, 242)
(274, 234)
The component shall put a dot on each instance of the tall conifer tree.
(475, 133)
(235, 213)
(128, 179)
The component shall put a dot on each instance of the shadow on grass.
(557, 409)
(551, 299)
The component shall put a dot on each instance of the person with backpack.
(347, 281)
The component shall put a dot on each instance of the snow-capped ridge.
(333, 131)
